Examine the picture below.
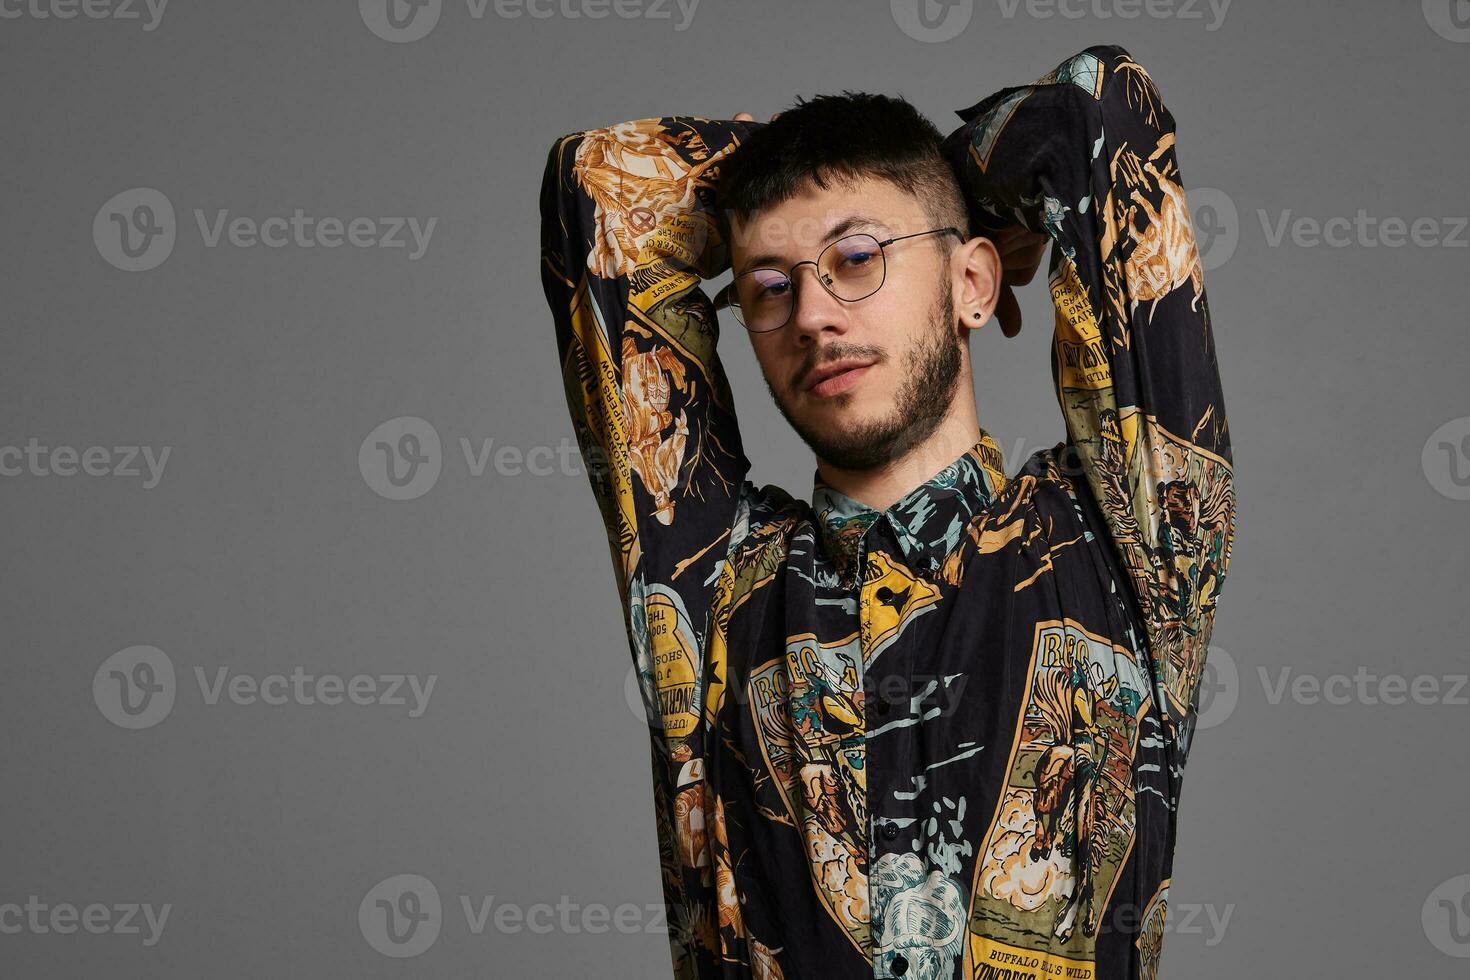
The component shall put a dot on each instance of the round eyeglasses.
(852, 268)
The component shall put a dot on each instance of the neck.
(884, 486)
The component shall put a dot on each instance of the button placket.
(890, 790)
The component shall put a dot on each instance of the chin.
(849, 405)
(849, 421)
(846, 413)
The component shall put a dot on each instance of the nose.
(816, 310)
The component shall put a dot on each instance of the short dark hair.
(847, 136)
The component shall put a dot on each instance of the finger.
(1029, 246)
(1017, 238)
(1019, 272)
(1008, 245)
(1008, 312)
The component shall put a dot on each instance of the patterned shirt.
(944, 740)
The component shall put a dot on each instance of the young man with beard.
(932, 721)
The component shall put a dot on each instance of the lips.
(833, 370)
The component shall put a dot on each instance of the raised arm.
(627, 232)
(1086, 156)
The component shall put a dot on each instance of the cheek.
(773, 364)
(893, 323)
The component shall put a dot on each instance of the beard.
(931, 372)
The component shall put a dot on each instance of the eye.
(858, 252)
(768, 283)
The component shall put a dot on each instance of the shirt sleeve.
(1086, 155)
(628, 230)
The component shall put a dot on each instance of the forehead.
(794, 229)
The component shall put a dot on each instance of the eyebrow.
(842, 227)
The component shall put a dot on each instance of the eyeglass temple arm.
(931, 231)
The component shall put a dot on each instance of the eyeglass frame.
(723, 299)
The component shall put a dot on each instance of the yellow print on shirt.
(1082, 357)
(669, 662)
(1064, 825)
(892, 597)
(806, 708)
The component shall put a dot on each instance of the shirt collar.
(927, 521)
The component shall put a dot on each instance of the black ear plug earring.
(977, 316)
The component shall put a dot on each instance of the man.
(932, 722)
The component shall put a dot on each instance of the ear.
(975, 275)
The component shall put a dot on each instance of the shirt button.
(900, 966)
(889, 831)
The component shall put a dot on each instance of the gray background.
(1322, 830)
